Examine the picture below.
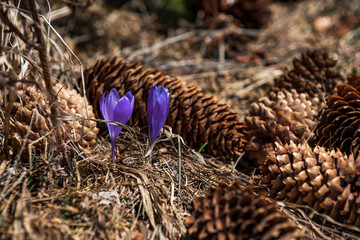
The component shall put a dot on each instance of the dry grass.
(83, 195)
(103, 200)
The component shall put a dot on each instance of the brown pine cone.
(250, 13)
(314, 74)
(354, 80)
(32, 107)
(197, 117)
(230, 212)
(339, 124)
(325, 181)
(282, 117)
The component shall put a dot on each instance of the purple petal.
(150, 109)
(164, 97)
(114, 131)
(114, 108)
(102, 106)
(129, 96)
(158, 120)
(114, 94)
(158, 108)
(150, 103)
(123, 110)
(121, 113)
(110, 104)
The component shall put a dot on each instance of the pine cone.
(282, 117)
(251, 14)
(314, 74)
(32, 108)
(325, 181)
(229, 212)
(339, 124)
(198, 117)
(354, 80)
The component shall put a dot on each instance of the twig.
(4, 18)
(76, 4)
(18, 181)
(179, 144)
(8, 105)
(161, 44)
(200, 33)
(61, 39)
(263, 78)
(35, 142)
(41, 48)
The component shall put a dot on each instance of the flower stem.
(113, 150)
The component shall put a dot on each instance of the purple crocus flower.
(157, 110)
(117, 109)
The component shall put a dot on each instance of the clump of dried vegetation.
(68, 191)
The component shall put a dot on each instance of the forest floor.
(92, 198)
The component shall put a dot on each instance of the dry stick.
(263, 78)
(184, 36)
(42, 54)
(179, 144)
(11, 189)
(41, 48)
(14, 29)
(8, 107)
(75, 4)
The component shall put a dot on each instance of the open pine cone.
(325, 181)
(32, 108)
(282, 117)
(314, 74)
(354, 80)
(230, 212)
(197, 117)
(339, 125)
(251, 14)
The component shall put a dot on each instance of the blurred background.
(224, 46)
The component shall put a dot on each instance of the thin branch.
(194, 33)
(76, 4)
(4, 18)
(41, 48)
(9, 103)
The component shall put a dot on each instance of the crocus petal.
(123, 110)
(157, 110)
(121, 113)
(155, 123)
(150, 111)
(129, 96)
(117, 109)
(110, 104)
(113, 93)
(114, 132)
(164, 98)
(150, 103)
(102, 107)
(159, 119)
